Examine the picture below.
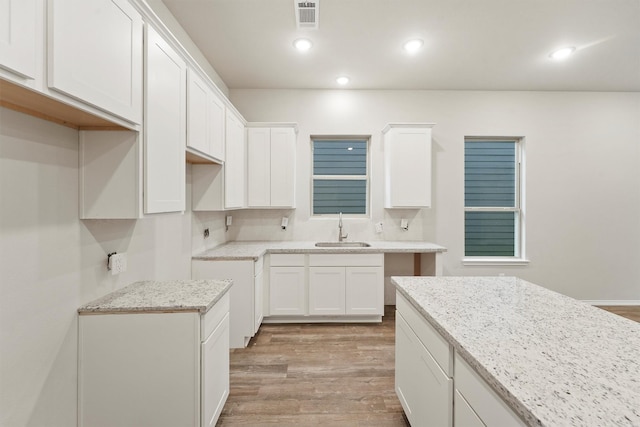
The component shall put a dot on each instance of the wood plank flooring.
(314, 374)
(629, 311)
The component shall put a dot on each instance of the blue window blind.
(490, 188)
(339, 176)
(489, 233)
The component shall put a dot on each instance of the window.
(340, 175)
(493, 219)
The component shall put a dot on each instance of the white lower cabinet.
(346, 284)
(246, 294)
(287, 285)
(326, 290)
(159, 369)
(489, 409)
(435, 386)
(423, 386)
(463, 413)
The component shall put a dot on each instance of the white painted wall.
(582, 182)
(51, 263)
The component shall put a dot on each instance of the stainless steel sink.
(342, 245)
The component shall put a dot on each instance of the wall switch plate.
(404, 224)
(285, 222)
(378, 227)
(117, 263)
(229, 220)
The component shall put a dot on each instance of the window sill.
(471, 261)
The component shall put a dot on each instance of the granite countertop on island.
(240, 250)
(160, 296)
(555, 360)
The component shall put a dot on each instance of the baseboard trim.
(613, 302)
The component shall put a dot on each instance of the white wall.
(51, 263)
(582, 179)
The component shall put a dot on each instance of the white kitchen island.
(508, 352)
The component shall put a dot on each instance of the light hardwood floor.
(331, 374)
(629, 311)
(310, 375)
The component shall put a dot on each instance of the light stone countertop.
(555, 360)
(247, 250)
(160, 296)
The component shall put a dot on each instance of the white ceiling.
(469, 44)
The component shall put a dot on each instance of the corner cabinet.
(164, 126)
(407, 165)
(219, 187)
(246, 293)
(271, 160)
(235, 163)
(95, 54)
(160, 369)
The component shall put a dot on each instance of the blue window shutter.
(489, 233)
(331, 196)
(335, 157)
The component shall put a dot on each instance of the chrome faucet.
(341, 237)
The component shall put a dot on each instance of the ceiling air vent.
(306, 14)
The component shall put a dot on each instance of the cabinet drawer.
(287, 260)
(489, 407)
(213, 317)
(430, 338)
(346, 260)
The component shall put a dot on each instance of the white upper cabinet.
(235, 163)
(18, 45)
(205, 119)
(407, 164)
(95, 54)
(164, 126)
(271, 157)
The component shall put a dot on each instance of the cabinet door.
(216, 130)
(18, 37)
(326, 290)
(286, 291)
(95, 54)
(164, 127)
(259, 167)
(259, 301)
(283, 161)
(364, 290)
(463, 414)
(235, 166)
(215, 373)
(408, 168)
(424, 390)
(197, 104)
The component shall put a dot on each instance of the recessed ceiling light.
(302, 45)
(412, 46)
(342, 80)
(563, 53)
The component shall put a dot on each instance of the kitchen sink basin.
(342, 245)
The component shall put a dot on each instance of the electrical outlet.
(379, 227)
(229, 220)
(117, 263)
(206, 233)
